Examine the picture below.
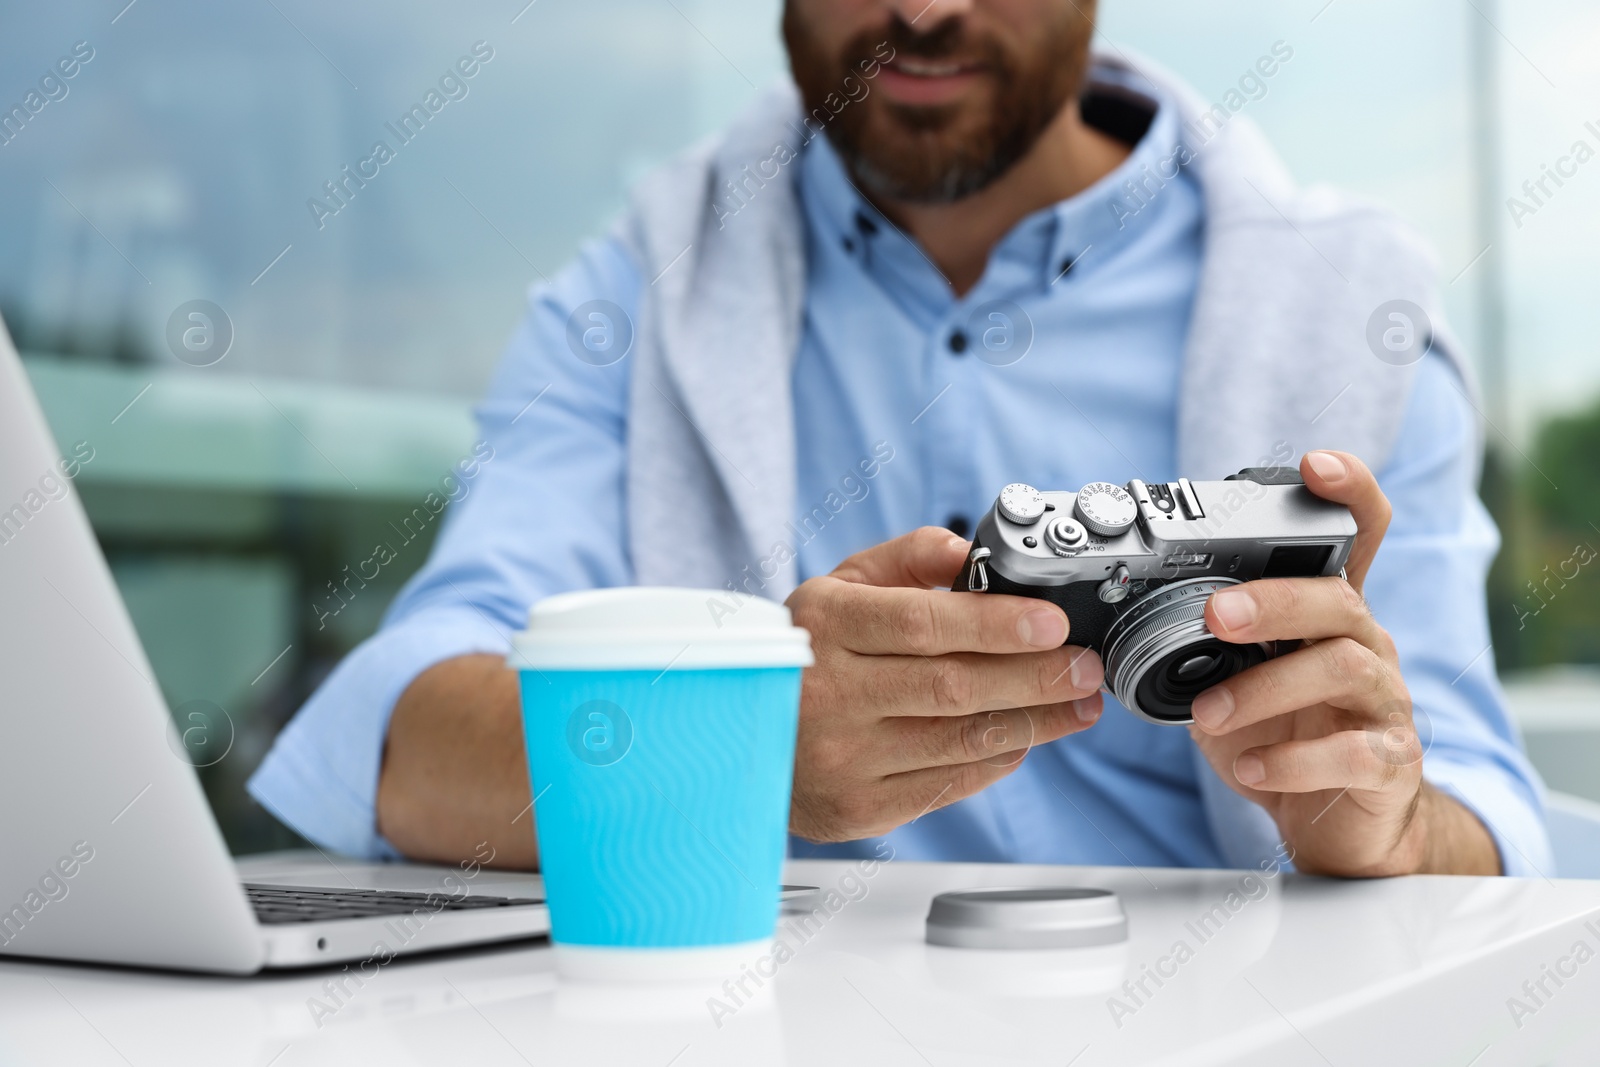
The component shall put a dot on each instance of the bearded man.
(962, 250)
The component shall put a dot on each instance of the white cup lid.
(652, 628)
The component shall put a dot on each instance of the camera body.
(1133, 566)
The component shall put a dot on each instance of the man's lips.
(924, 82)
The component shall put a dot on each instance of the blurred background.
(231, 494)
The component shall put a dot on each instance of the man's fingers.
(1293, 609)
(1341, 477)
(1368, 760)
(970, 682)
(932, 779)
(928, 622)
(1002, 737)
(905, 798)
(1337, 671)
(925, 558)
(932, 788)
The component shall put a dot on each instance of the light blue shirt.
(1041, 374)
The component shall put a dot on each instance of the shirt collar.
(1070, 236)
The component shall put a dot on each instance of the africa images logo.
(1399, 332)
(599, 733)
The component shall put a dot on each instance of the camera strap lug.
(977, 573)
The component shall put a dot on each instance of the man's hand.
(920, 697)
(1323, 737)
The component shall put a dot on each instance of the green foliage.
(1544, 592)
(1568, 451)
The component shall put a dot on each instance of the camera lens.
(1159, 655)
(1167, 690)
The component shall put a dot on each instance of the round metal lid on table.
(1038, 917)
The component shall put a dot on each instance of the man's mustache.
(949, 40)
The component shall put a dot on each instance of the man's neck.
(1069, 157)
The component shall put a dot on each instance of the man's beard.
(938, 154)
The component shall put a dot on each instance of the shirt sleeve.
(542, 514)
(1427, 587)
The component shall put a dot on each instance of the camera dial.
(1021, 503)
(1105, 508)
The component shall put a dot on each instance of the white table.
(1404, 971)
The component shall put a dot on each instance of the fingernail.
(1212, 708)
(1234, 608)
(1087, 710)
(1087, 670)
(1249, 769)
(1042, 628)
(1329, 467)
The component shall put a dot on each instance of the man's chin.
(921, 155)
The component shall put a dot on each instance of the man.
(968, 255)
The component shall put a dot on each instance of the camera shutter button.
(1106, 509)
(1065, 536)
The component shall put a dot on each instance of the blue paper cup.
(660, 727)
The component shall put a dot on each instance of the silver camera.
(1133, 566)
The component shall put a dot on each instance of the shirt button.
(959, 525)
(849, 246)
(958, 341)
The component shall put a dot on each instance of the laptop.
(108, 850)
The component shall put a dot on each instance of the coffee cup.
(660, 729)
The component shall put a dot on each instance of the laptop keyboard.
(279, 904)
